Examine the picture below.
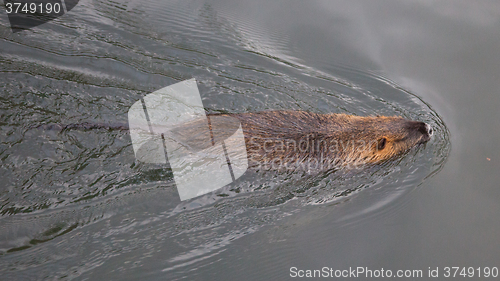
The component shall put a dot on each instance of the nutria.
(292, 139)
(299, 139)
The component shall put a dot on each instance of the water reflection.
(77, 204)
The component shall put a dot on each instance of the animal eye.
(381, 143)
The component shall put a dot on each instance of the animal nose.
(425, 128)
(429, 129)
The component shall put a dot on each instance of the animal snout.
(429, 129)
(423, 128)
(426, 131)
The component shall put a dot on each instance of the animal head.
(375, 139)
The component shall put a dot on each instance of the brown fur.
(296, 139)
(293, 139)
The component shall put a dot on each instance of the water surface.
(77, 205)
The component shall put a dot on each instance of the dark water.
(77, 205)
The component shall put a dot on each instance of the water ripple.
(74, 201)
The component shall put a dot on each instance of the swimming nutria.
(299, 139)
(292, 139)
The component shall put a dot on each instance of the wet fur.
(298, 139)
(279, 138)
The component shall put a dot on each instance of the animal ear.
(381, 143)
